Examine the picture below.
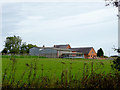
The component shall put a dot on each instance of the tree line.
(14, 45)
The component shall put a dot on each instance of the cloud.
(35, 17)
(81, 19)
(51, 23)
(4, 1)
(38, 23)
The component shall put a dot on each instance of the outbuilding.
(49, 52)
(52, 52)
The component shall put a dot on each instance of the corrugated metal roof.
(84, 50)
(61, 49)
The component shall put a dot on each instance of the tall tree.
(23, 48)
(100, 53)
(13, 44)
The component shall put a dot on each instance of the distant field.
(52, 67)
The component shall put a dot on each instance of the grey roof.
(59, 49)
(61, 46)
(84, 50)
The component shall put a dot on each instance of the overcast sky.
(80, 24)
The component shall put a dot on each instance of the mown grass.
(53, 70)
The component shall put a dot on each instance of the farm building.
(88, 52)
(64, 51)
(52, 52)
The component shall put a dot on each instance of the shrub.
(116, 64)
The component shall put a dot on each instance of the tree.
(23, 49)
(29, 46)
(13, 44)
(100, 53)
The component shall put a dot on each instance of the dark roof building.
(88, 52)
(84, 50)
(67, 46)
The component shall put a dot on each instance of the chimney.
(43, 45)
(54, 45)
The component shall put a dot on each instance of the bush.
(116, 64)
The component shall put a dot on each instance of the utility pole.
(118, 28)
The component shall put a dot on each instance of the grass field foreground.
(54, 66)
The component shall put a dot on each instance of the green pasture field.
(53, 67)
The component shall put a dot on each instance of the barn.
(52, 52)
(63, 51)
(49, 52)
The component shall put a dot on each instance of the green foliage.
(12, 44)
(100, 53)
(29, 46)
(116, 64)
(23, 49)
